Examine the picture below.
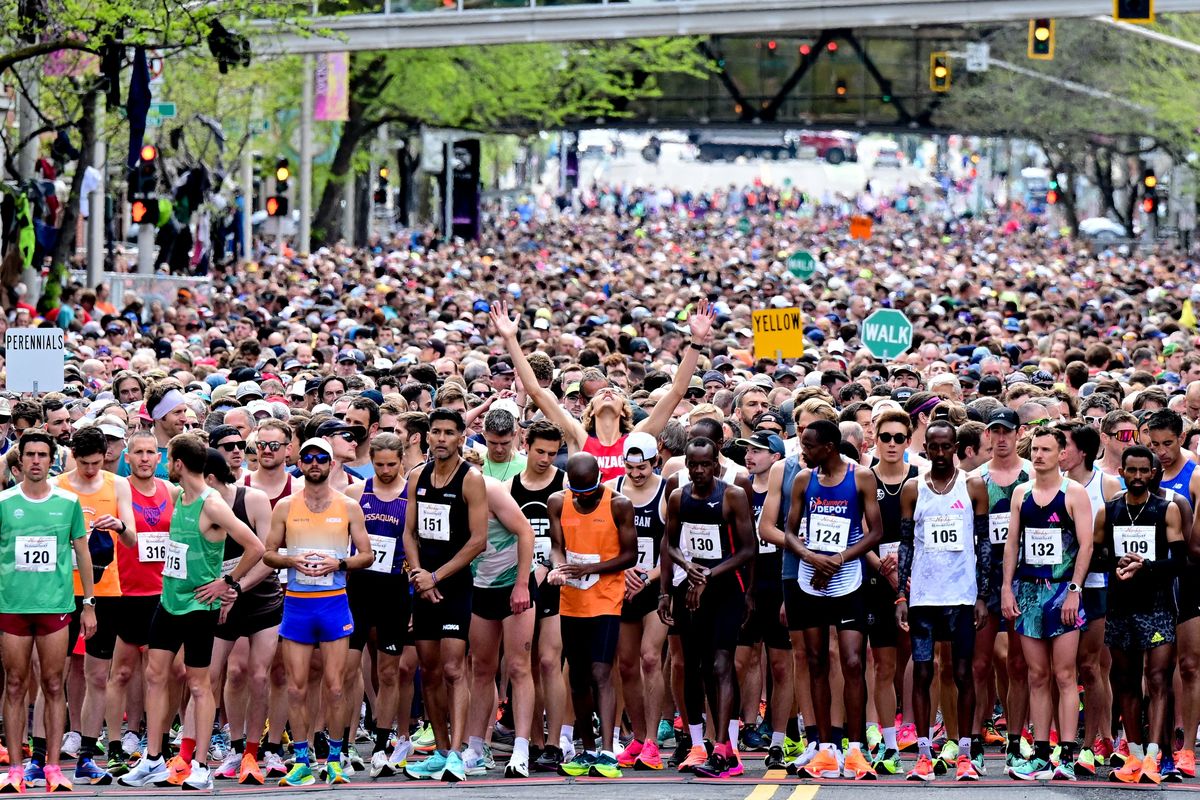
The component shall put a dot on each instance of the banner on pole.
(331, 100)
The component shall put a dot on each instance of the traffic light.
(143, 187)
(939, 71)
(1041, 39)
(1149, 192)
(277, 204)
(1139, 11)
(839, 88)
(381, 191)
(1149, 180)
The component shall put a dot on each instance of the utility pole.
(247, 202)
(95, 221)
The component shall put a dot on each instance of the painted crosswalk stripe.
(764, 791)
(807, 792)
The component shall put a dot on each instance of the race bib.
(384, 548)
(701, 541)
(828, 533)
(944, 533)
(36, 553)
(587, 581)
(1135, 540)
(766, 548)
(645, 554)
(541, 549)
(175, 564)
(998, 528)
(282, 573)
(433, 521)
(152, 546)
(1043, 546)
(888, 549)
(322, 580)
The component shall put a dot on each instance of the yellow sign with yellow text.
(778, 333)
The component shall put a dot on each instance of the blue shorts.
(312, 620)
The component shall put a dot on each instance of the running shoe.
(549, 760)
(454, 771)
(856, 766)
(71, 743)
(273, 765)
(888, 763)
(803, 760)
(629, 755)
(35, 775)
(1033, 769)
(177, 772)
(1065, 771)
(792, 748)
(228, 771)
(1169, 771)
(874, 738)
(578, 766)
(1103, 748)
(683, 746)
(752, 739)
(3, 756)
(424, 740)
(56, 781)
(665, 732)
(401, 750)
(1185, 762)
(217, 749)
(299, 775)
(356, 760)
(86, 771)
(1119, 755)
(923, 771)
(734, 760)
(774, 759)
(1085, 762)
(1131, 772)
(906, 737)
(13, 781)
(946, 758)
(334, 774)
(1056, 755)
(605, 766)
(146, 772)
(965, 769)
(248, 771)
(714, 765)
(429, 768)
(696, 756)
(991, 735)
(649, 758)
(1150, 773)
(380, 767)
(473, 766)
(199, 779)
(823, 765)
(489, 760)
(517, 767)
(978, 763)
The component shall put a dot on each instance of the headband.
(928, 404)
(170, 401)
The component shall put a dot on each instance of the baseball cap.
(507, 405)
(329, 427)
(248, 390)
(572, 388)
(770, 415)
(639, 447)
(990, 385)
(909, 368)
(111, 426)
(257, 407)
(903, 393)
(1005, 418)
(1042, 378)
(319, 444)
(723, 362)
(884, 405)
(713, 375)
(763, 441)
(502, 368)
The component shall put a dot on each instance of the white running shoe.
(200, 778)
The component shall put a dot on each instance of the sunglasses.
(1034, 423)
(776, 431)
(387, 430)
(892, 438)
(229, 447)
(274, 447)
(1126, 436)
(694, 394)
(351, 436)
(319, 458)
(5, 420)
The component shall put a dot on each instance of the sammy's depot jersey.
(832, 522)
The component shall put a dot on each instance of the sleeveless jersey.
(533, 505)
(496, 566)
(1095, 490)
(326, 532)
(943, 568)
(610, 457)
(769, 561)
(705, 537)
(286, 492)
(95, 505)
(1182, 482)
(1143, 533)
(266, 589)
(649, 524)
(385, 528)
(141, 566)
(790, 563)
(192, 559)
(1048, 543)
(590, 538)
(443, 525)
(888, 495)
(999, 508)
(834, 522)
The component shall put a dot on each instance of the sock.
(1014, 744)
(976, 744)
(39, 749)
(735, 729)
(568, 733)
(777, 738)
(166, 743)
(238, 745)
(300, 751)
(1151, 750)
(474, 749)
(837, 733)
(889, 738)
(187, 750)
(521, 748)
(346, 734)
(811, 734)
(696, 732)
(87, 747)
(793, 728)
(1041, 749)
(964, 744)
(931, 730)
(335, 751)
(381, 738)
(924, 747)
(824, 746)
(1067, 754)
(855, 746)
(252, 750)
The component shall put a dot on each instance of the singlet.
(768, 562)
(792, 466)
(1048, 543)
(496, 566)
(385, 528)
(95, 505)
(999, 509)
(35, 535)
(705, 538)
(1182, 482)
(141, 566)
(503, 470)
(943, 567)
(326, 532)
(1097, 579)
(287, 490)
(888, 495)
(610, 457)
(1146, 536)
(589, 538)
(834, 522)
(649, 524)
(192, 559)
(533, 505)
(443, 524)
(268, 588)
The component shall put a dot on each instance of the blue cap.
(481, 305)
(761, 440)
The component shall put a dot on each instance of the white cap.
(320, 444)
(645, 445)
(508, 405)
(260, 406)
(882, 406)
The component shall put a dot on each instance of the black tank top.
(649, 525)
(705, 537)
(534, 505)
(1143, 533)
(888, 495)
(443, 524)
(268, 587)
(768, 564)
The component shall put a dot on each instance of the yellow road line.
(764, 791)
(807, 792)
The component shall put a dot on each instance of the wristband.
(901, 599)
(697, 347)
(435, 578)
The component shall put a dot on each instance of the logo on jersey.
(958, 505)
(1054, 517)
(879, 494)
(151, 513)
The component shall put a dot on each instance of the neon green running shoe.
(299, 775)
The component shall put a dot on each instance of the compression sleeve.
(983, 556)
(904, 558)
(1169, 568)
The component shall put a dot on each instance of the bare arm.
(768, 528)
(741, 521)
(1080, 507)
(275, 539)
(364, 556)
(258, 507)
(410, 524)
(701, 328)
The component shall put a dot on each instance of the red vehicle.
(729, 144)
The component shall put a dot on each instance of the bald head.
(583, 470)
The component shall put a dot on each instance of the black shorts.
(643, 603)
(1095, 603)
(804, 610)
(1187, 596)
(588, 641)
(547, 600)
(449, 619)
(494, 603)
(194, 632)
(104, 640)
(763, 624)
(382, 602)
(255, 611)
(929, 624)
(132, 616)
(717, 623)
(1139, 632)
(882, 630)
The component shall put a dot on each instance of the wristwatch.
(237, 587)
(1074, 588)
(89, 601)
(342, 565)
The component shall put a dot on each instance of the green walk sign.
(802, 265)
(887, 333)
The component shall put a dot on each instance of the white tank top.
(1095, 491)
(943, 570)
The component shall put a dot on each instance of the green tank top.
(496, 566)
(192, 560)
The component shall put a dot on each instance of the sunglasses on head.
(1126, 436)
(274, 447)
(1037, 423)
(766, 429)
(892, 438)
(351, 436)
(320, 458)
(229, 447)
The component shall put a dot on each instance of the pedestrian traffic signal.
(143, 187)
(1149, 180)
(277, 206)
(1041, 39)
(1138, 11)
(381, 191)
(939, 71)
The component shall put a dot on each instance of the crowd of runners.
(398, 511)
